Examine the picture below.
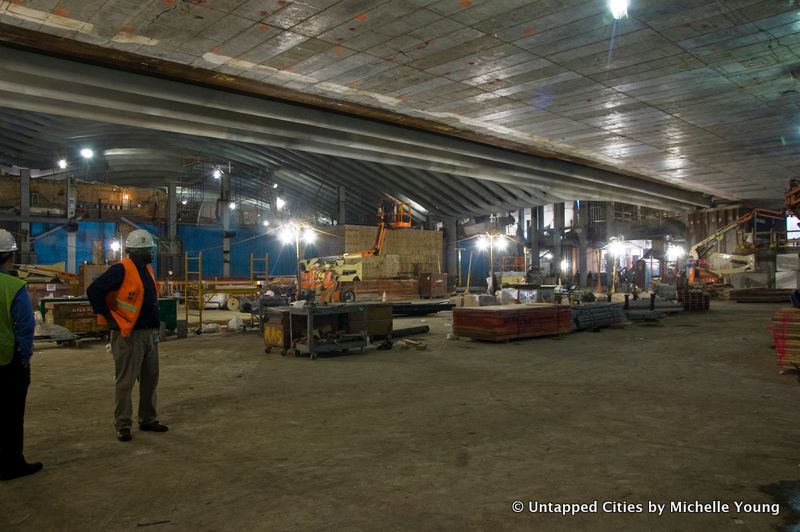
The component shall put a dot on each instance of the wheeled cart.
(328, 329)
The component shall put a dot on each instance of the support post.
(341, 213)
(224, 200)
(451, 245)
(25, 212)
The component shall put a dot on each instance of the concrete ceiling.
(701, 95)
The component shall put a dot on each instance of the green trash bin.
(168, 312)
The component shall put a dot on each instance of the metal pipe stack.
(597, 315)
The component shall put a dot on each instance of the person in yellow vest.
(126, 298)
(16, 348)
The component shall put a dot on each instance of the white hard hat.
(139, 239)
(7, 242)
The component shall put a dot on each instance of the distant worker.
(126, 297)
(16, 349)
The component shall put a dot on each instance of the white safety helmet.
(139, 239)
(7, 242)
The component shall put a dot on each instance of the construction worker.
(16, 348)
(126, 298)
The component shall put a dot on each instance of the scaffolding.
(193, 300)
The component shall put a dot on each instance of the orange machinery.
(332, 279)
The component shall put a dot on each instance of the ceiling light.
(217, 173)
(115, 246)
(232, 205)
(483, 243)
(675, 252)
(548, 256)
(501, 243)
(265, 223)
(309, 235)
(286, 235)
(184, 202)
(87, 153)
(275, 185)
(617, 248)
(62, 163)
(619, 8)
(280, 203)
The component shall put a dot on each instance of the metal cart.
(340, 315)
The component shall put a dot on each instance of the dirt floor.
(446, 438)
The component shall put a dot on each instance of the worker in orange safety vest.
(126, 298)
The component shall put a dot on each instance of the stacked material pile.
(696, 300)
(785, 330)
(511, 322)
(393, 289)
(761, 295)
(416, 251)
(693, 299)
(597, 315)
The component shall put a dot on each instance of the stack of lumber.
(511, 322)
(597, 315)
(417, 251)
(370, 289)
(761, 295)
(785, 330)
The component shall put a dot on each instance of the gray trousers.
(135, 358)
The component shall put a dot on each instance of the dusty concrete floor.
(442, 439)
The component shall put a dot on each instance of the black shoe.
(23, 471)
(153, 426)
(124, 435)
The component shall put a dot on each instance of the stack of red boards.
(511, 322)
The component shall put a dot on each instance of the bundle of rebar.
(597, 315)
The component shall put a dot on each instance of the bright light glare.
(275, 185)
(87, 153)
(286, 235)
(115, 246)
(675, 252)
(309, 235)
(184, 202)
(564, 265)
(232, 205)
(548, 256)
(217, 173)
(500, 243)
(483, 243)
(265, 223)
(619, 8)
(616, 248)
(280, 203)
(62, 163)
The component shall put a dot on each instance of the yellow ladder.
(256, 271)
(193, 301)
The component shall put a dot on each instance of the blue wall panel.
(52, 248)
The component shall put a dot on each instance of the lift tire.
(232, 304)
(348, 296)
